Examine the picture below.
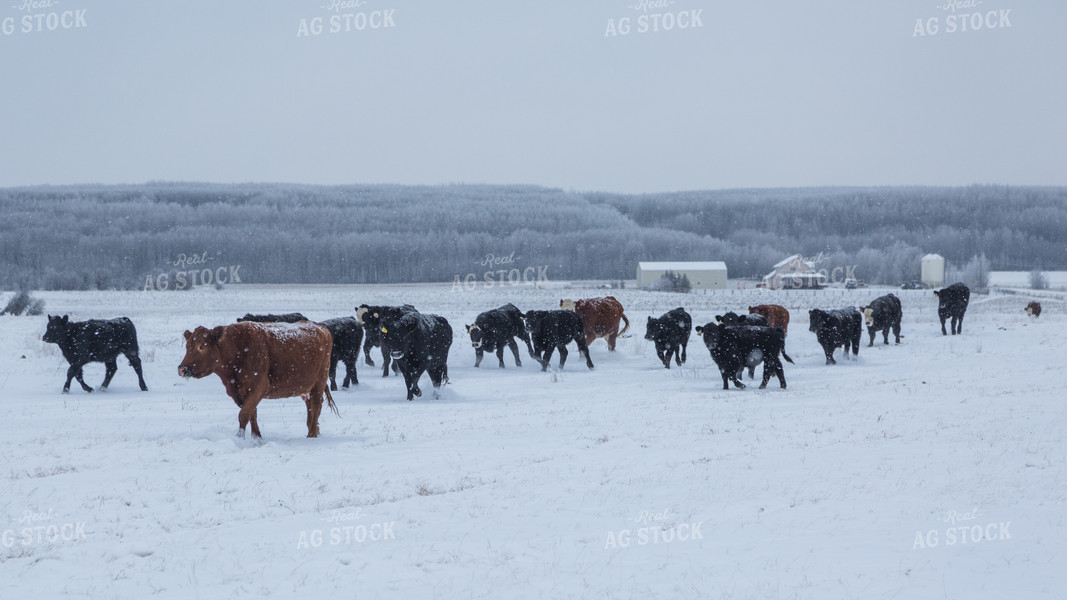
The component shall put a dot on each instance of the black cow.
(347, 336)
(285, 318)
(839, 327)
(734, 348)
(554, 329)
(952, 304)
(670, 332)
(370, 318)
(494, 329)
(883, 314)
(419, 344)
(732, 319)
(95, 340)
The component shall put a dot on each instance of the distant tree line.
(103, 237)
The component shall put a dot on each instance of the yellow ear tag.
(384, 330)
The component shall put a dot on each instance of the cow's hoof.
(763, 386)
(66, 390)
(502, 366)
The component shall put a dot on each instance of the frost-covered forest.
(89, 237)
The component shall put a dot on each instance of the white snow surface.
(518, 483)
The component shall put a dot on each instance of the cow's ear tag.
(384, 330)
(375, 315)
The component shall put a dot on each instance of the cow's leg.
(478, 354)
(314, 404)
(75, 372)
(885, 335)
(514, 351)
(829, 351)
(871, 331)
(437, 377)
(958, 328)
(611, 340)
(677, 356)
(725, 379)
(367, 345)
(500, 354)
(385, 361)
(943, 332)
(333, 372)
(135, 362)
(247, 415)
(751, 371)
(110, 367)
(547, 357)
(526, 338)
(896, 332)
(684, 344)
(585, 350)
(562, 355)
(350, 372)
(415, 377)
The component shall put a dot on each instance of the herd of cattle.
(281, 356)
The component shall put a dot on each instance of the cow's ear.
(384, 330)
(188, 334)
(468, 327)
(375, 315)
(218, 333)
(700, 330)
(66, 318)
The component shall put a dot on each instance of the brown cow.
(1033, 309)
(264, 360)
(777, 315)
(600, 318)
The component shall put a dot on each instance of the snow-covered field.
(933, 469)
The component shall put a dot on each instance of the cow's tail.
(627, 327)
(786, 356)
(329, 399)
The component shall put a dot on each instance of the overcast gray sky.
(750, 94)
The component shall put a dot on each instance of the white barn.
(793, 272)
(701, 275)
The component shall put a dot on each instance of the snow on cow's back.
(289, 331)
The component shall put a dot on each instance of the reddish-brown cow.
(600, 318)
(778, 316)
(264, 360)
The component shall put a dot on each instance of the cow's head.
(395, 336)
(815, 319)
(567, 304)
(730, 319)
(710, 332)
(57, 329)
(532, 319)
(361, 310)
(868, 315)
(476, 335)
(202, 355)
(652, 328)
